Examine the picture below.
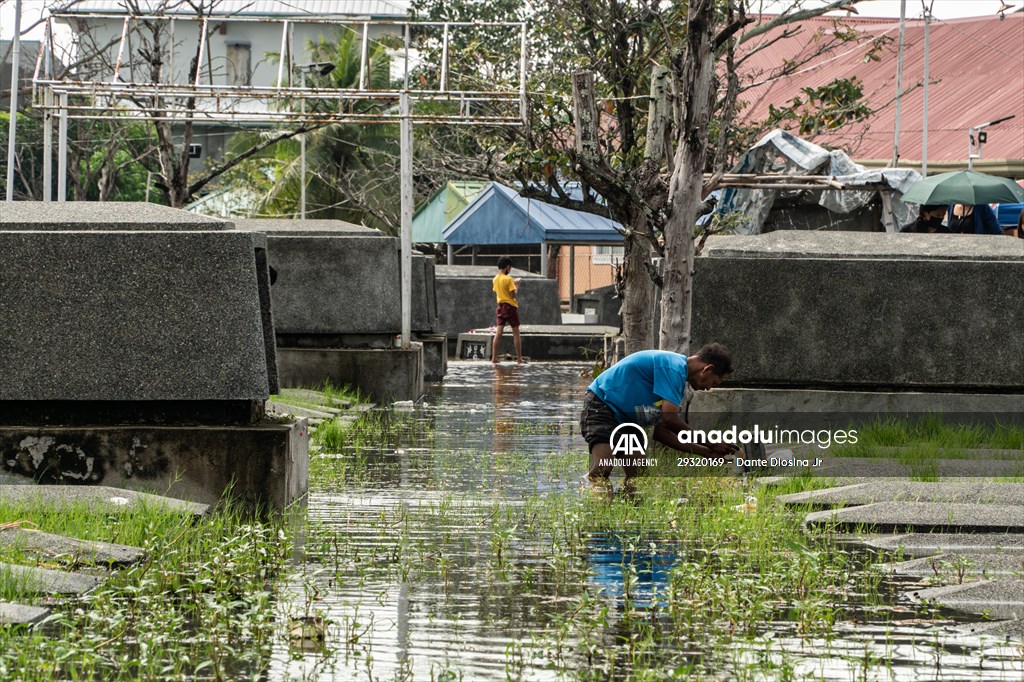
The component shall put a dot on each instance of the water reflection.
(406, 569)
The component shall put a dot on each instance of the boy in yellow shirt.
(508, 308)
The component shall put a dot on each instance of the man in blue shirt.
(647, 388)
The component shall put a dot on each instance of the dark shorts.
(507, 314)
(597, 421)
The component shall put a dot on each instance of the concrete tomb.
(465, 300)
(138, 352)
(337, 307)
(866, 323)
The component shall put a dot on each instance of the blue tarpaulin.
(498, 215)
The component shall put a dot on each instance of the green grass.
(201, 605)
(935, 433)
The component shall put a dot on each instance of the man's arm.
(669, 426)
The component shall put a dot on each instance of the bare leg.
(601, 451)
(518, 343)
(497, 343)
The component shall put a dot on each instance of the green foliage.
(827, 107)
(350, 168)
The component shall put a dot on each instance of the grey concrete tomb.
(337, 307)
(128, 330)
(872, 322)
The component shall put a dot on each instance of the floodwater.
(418, 571)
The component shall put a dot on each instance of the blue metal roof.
(498, 215)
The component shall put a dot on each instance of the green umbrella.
(965, 187)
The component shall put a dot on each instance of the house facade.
(244, 39)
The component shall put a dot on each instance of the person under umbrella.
(972, 219)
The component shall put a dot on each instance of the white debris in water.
(404, 405)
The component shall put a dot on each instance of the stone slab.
(870, 245)
(264, 464)
(318, 228)
(435, 356)
(131, 316)
(930, 544)
(281, 408)
(425, 319)
(910, 491)
(466, 301)
(948, 568)
(21, 614)
(1008, 629)
(110, 499)
(331, 279)
(540, 342)
(102, 215)
(997, 599)
(385, 375)
(48, 581)
(53, 546)
(799, 315)
(924, 516)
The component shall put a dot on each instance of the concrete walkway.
(959, 543)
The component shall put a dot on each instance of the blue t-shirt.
(635, 386)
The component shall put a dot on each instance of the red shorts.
(507, 314)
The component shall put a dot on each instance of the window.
(607, 255)
(239, 63)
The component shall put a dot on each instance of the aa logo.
(629, 440)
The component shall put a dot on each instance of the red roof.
(976, 73)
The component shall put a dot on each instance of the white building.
(244, 39)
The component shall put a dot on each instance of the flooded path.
(457, 546)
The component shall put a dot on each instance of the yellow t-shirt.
(503, 286)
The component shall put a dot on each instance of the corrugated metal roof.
(976, 74)
(294, 8)
(499, 215)
(433, 216)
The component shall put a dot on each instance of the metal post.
(543, 259)
(444, 59)
(472, 255)
(924, 122)
(302, 155)
(202, 48)
(522, 76)
(280, 55)
(572, 273)
(405, 144)
(970, 149)
(12, 126)
(62, 150)
(899, 85)
(362, 56)
(48, 145)
(451, 254)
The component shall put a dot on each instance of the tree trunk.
(637, 291)
(697, 87)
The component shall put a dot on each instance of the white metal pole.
(62, 150)
(970, 149)
(302, 155)
(12, 126)
(899, 84)
(405, 147)
(48, 144)
(924, 122)
(405, 144)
